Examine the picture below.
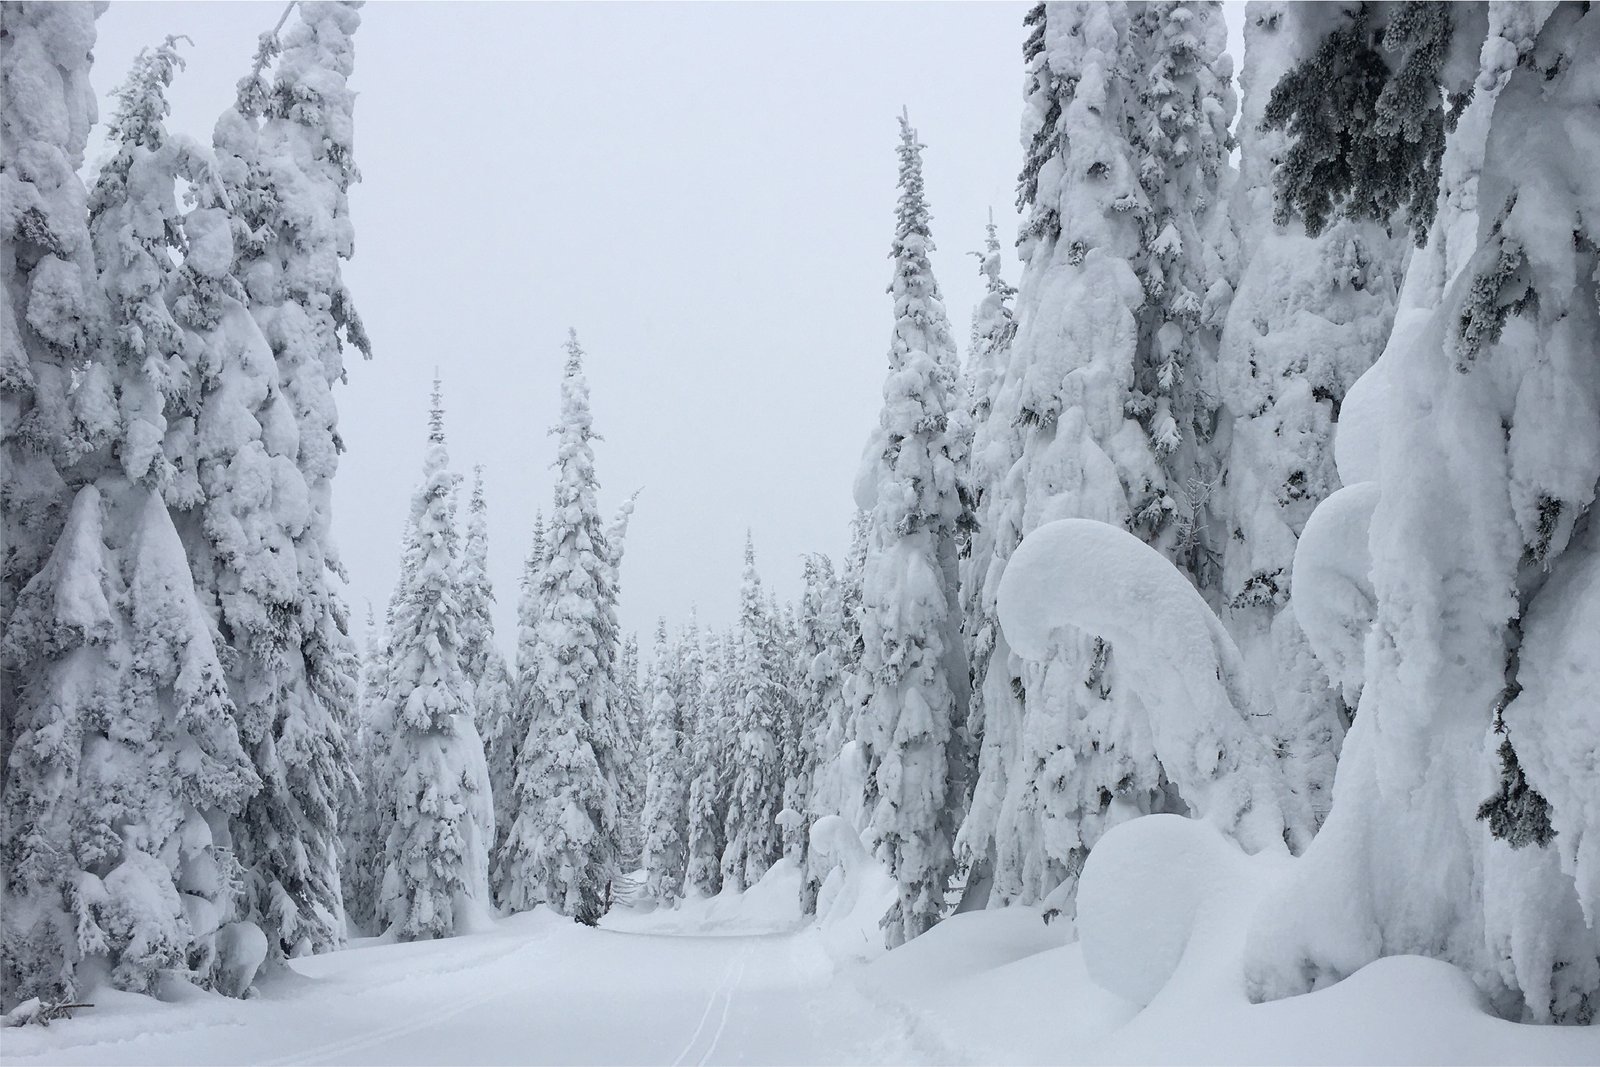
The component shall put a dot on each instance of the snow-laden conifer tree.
(632, 756)
(1309, 315)
(1476, 717)
(1182, 103)
(1109, 391)
(911, 620)
(361, 826)
(481, 659)
(994, 449)
(794, 758)
(665, 820)
(755, 709)
(810, 697)
(562, 847)
(160, 764)
(285, 157)
(50, 306)
(477, 592)
(702, 712)
(504, 732)
(126, 766)
(823, 787)
(436, 848)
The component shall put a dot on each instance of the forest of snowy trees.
(1262, 497)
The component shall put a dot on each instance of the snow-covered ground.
(743, 980)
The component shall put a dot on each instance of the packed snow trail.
(535, 988)
(733, 980)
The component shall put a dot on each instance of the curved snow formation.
(1333, 598)
(1083, 575)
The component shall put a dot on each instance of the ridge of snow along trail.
(743, 979)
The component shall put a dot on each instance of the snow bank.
(1001, 987)
(770, 906)
(1081, 575)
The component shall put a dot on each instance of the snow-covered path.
(534, 989)
(739, 979)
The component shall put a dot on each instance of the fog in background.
(705, 191)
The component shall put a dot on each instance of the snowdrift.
(1157, 977)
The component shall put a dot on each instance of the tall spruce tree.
(285, 157)
(703, 715)
(820, 662)
(1105, 411)
(665, 819)
(911, 620)
(755, 708)
(505, 733)
(481, 658)
(995, 447)
(129, 762)
(436, 846)
(562, 848)
(361, 826)
(1308, 317)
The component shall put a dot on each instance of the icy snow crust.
(741, 978)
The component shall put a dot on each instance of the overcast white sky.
(705, 191)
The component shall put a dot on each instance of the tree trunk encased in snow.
(1480, 539)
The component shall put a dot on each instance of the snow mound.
(1083, 575)
(970, 943)
(241, 950)
(1139, 895)
(1334, 601)
(856, 894)
(770, 906)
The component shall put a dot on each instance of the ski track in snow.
(727, 1004)
(722, 990)
(548, 993)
